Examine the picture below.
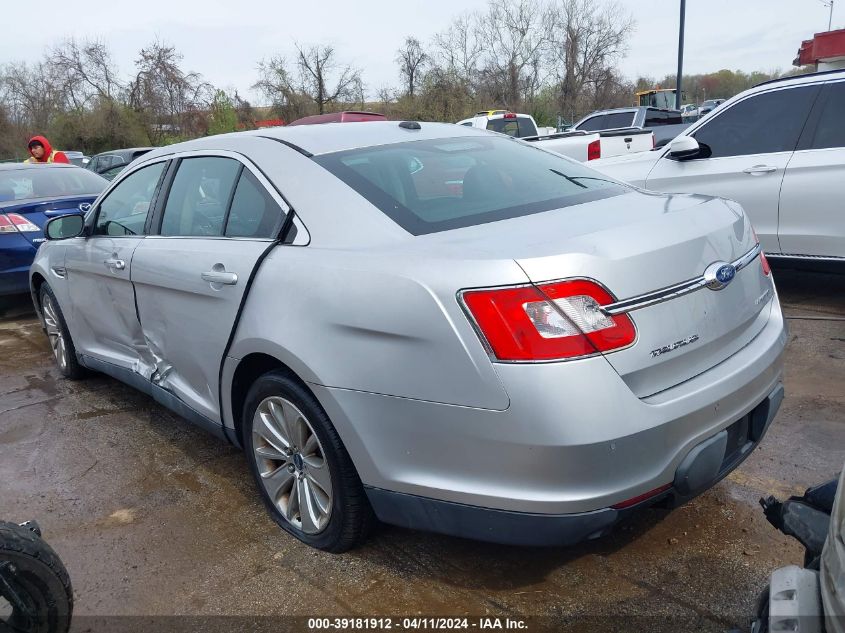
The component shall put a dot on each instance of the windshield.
(437, 185)
(45, 182)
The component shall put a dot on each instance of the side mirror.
(64, 227)
(684, 148)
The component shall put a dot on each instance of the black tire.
(39, 580)
(351, 517)
(71, 369)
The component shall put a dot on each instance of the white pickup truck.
(579, 145)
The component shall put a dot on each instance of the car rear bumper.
(701, 468)
(574, 438)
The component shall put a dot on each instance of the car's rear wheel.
(303, 472)
(64, 352)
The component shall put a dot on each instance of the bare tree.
(412, 59)
(458, 49)
(324, 80)
(514, 35)
(170, 100)
(29, 94)
(278, 85)
(587, 40)
(83, 73)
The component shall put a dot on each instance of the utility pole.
(681, 55)
(829, 3)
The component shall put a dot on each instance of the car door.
(103, 321)
(745, 150)
(812, 212)
(220, 216)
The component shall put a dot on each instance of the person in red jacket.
(43, 152)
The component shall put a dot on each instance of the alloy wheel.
(54, 332)
(292, 464)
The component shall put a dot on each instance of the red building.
(826, 51)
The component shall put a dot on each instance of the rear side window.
(438, 185)
(761, 124)
(657, 117)
(254, 213)
(618, 120)
(593, 123)
(199, 196)
(830, 129)
(124, 210)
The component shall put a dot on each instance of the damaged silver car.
(435, 326)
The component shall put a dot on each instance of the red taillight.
(767, 270)
(764, 263)
(640, 498)
(594, 150)
(509, 115)
(551, 321)
(11, 222)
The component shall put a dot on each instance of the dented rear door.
(190, 278)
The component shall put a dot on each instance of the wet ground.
(154, 517)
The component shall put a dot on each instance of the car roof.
(824, 75)
(330, 137)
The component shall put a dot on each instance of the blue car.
(29, 196)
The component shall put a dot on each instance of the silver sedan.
(435, 326)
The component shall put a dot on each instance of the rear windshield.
(438, 185)
(518, 126)
(47, 182)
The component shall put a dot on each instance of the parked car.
(110, 164)
(29, 196)
(578, 145)
(665, 124)
(708, 106)
(689, 112)
(77, 158)
(448, 329)
(339, 117)
(778, 149)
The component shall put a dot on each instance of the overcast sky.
(225, 40)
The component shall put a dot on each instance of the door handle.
(759, 170)
(220, 277)
(117, 264)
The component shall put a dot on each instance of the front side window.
(761, 124)
(830, 129)
(442, 184)
(199, 197)
(124, 210)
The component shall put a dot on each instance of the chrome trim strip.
(672, 292)
(824, 258)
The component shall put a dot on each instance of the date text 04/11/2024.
(416, 623)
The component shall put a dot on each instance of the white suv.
(778, 149)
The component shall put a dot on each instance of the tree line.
(550, 58)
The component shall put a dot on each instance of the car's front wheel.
(61, 344)
(303, 472)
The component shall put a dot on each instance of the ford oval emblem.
(719, 275)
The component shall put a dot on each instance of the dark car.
(110, 164)
(29, 196)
